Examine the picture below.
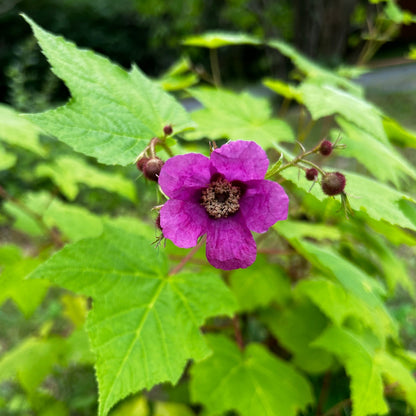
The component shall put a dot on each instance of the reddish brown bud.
(152, 168)
(326, 148)
(311, 174)
(141, 162)
(168, 130)
(333, 183)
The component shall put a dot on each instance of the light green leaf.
(17, 131)
(178, 76)
(31, 361)
(354, 281)
(73, 221)
(113, 113)
(300, 229)
(144, 325)
(312, 70)
(218, 39)
(337, 303)
(259, 285)
(252, 382)
(381, 159)
(398, 133)
(365, 363)
(14, 268)
(67, 172)
(295, 328)
(326, 100)
(285, 90)
(238, 117)
(172, 409)
(135, 406)
(377, 200)
(7, 160)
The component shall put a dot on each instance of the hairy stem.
(188, 257)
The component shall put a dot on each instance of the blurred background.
(149, 33)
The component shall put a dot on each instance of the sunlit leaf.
(144, 325)
(67, 172)
(238, 117)
(217, 39)
(252, 382)
(113, 113)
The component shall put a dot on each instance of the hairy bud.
(141, 163)
(326, 148)
(311, 174)
(152, 167)
(168, 130)
(333, 183)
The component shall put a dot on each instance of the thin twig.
(215, 66)
(185, 260)
(237, 332)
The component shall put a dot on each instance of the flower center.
(221, 198)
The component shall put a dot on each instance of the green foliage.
(118, 111)
(157, 317)
(252, 382)
(327, 295)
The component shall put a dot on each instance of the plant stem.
(300, 158)
(185, 260)
(215, 66)
(237, 332)
(324, 393)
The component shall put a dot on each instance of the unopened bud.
(326, 148)
(141, 163)
(151, 169)
(311, 174)
(333, 183)
(168, 130)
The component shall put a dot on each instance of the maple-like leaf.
(144, 325)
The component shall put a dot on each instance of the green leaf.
(365, 364)
(178, 76)
(17, 131)
(7, 160)
(217, 39)
(337, 303)
(398, 133)
(135, 406)
(377, 200)
(73, 221)
(172, 409)
(252, 382)
(113, 114)
(300, 229)
(144, 325)
(354, 281)
(31, 361)
(296, 327)
(286, 90)
(67, 172)
(381, 159)
(259, 285)
(312, 70)
(14, 268)
(326, 100)
(238, 117)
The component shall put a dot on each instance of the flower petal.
(182, 175)
(230, 244)
(183, 222)
(240, 160)
(263, 204)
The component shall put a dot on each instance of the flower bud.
(152, 167)
(168, 130)
(311, 174)
(141, 162)
(325, 148)
(333, 183)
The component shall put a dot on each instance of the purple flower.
(224, 196)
